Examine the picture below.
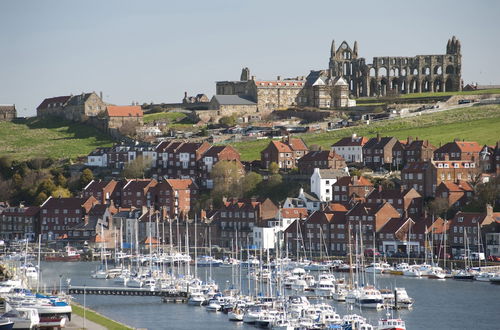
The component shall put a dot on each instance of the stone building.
(348, 74)
(7, 112)
(397, 74)
(118, 116)
(72, 107)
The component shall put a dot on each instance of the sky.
(154, 51)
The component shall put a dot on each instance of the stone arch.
(450, 69)
(414, 71)
(383, 71)
(438, 85)
(347, 55)
(383, 86)
(392, 73)
(426, 70)
(438, 69)
(373, 72)
(403, 87)
(345, 69)
(395, 84)
(373, 87)
(426, 85)
(403, 72)
(351, 85)
(449, 84)
(414, 85)
(397, 72)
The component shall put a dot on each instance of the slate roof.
(331, 174)
(320, 155)
(357, 141)
(51, 100)
(232, 100)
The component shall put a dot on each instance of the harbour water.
(438, 304)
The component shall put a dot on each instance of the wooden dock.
(124, 291)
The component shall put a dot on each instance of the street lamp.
(84, 308)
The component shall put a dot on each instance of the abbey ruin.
(350, 76)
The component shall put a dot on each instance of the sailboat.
(465, 274)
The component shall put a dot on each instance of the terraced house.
(284, 153)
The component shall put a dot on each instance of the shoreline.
(93, 320)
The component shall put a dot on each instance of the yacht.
(378, 268)
(484, 277)
(6, 324)
(23, 318)
(324, 288)
(370, 297)
(196, 299)
(463, 275)
(399, 296)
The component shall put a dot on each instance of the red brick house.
(103, 191)
(377, 152)
(138, 193)
(323, 159)
(370, 218)
(180, 160)
(350, 148)
(405, 201)
(467, 226)
(418, 150)
(19, 222)
(176, 196)
(348, 186)
(208, 160)
(57, 215)
(285, 153)
(240, 216)
(457, 194)
(458, 150)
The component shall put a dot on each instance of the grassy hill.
(49, 138)
(478, 123)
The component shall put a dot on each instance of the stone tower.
(245, 74)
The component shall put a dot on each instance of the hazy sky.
(153, 51)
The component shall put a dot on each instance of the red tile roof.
(297, 144)
(124, 111)
(296, 212)
(180, 184)
(281, 147)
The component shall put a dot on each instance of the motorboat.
(340, 293)
(23, 318)
(196, 299)
(252, 314)
(484, 277)
(378, 268)
(235, 315)
(398, 297)
(370, 297)
(437, 274)
(214, 305)
(412, 272)
(324, 288)
(6, 324)
(391, 324)
(463, 275)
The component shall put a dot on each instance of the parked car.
(464, 101)
(494, 258)
(371, 253)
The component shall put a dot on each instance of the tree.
(439, 206)
(61, 180)
(47, 186)
(274, 168)
(228, 120)
(86, 177)
(129, 128)
(226, 176)
(60, 192)
(250, 183)
(40, 198)
(137, 168)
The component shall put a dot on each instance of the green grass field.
(98, 318)
(170, 116)
(375, 100)
(49, 138)
(479, 124)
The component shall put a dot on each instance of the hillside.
(49, 138)
(478, 123)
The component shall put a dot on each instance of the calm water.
(446, 304)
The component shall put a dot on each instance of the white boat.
(252, 314)
(23, 318)
(6, 324)
(235, 315)
(370, 297)
(397, 296)
(378, 268)
(324, 288)
(134, 282)
(340, 293)
(412, 272)
(391, 324)
(196, 299)
(214, 305)
(484, 277)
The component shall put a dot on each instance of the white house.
(265, 237)
(311, 203)
(98, 158)
(350, 148)
(322, 180)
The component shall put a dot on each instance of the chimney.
(278, 78)
(353, 138)
(185, 95)
(253, 78)
(489, 210)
